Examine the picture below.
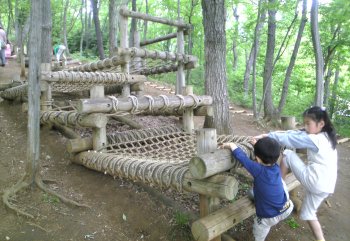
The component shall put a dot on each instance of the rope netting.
(157, 155)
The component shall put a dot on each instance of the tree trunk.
(64, 27)
(214, 21)
(255, 46)
(82, 19)
(327, 83)
(34, 89)
(234, 39)
(269, 110)
(334, 93)
(318, 53)
(46, 42)
(113, 27)
(133, 25)
(97, 29)
(293, 58)
(253, 56)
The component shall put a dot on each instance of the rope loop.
(166, 102)
(150, 102)
(115, 103)
(182, 101)
(196, 101)
(135, 103)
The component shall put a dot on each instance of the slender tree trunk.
(318, 53)
(133, 25)
(289, 71)
(255, 46)
(113, 27)
(34, 89)
(334, 93)
(64, 27)
(97, 29)
(269, 110)
(234, 39)
(214, 21)
(46, 41)
(327, 83)
(82, 16)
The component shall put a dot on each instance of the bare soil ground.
(120, 209)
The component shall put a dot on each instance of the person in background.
(3, 42)
(59, 50)
(319, 175)
(271, 196)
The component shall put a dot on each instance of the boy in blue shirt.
(271, 197)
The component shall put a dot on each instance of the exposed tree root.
(42, 186)
(21, 184)
(38, 226)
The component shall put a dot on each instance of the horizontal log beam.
(155, 54)
(72, 118)
(94, 77)
(141, 104)
(208, 164)
(220, 221)
(159, 39)
(176, 23)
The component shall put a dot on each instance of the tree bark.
(255, 46)
(269, 110)
(113, 27)
(214, 21)
(318, 53)
(34, 89)
(46, 49)
(293, 58)
(234, 39)
(97, 29)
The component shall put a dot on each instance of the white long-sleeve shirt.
(322, 158)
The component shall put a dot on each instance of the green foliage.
(181, 229)
(292, 223)
(50, 199)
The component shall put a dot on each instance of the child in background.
(59, 50)
(271, 197)
(319, 175)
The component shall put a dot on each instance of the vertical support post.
(99, 135)
(187, 120)
(137, 60)
(124, 43)
(207, 142)
(180, 74)
(45, 87)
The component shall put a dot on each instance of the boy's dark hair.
(268, 150)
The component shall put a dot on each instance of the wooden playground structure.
(184, 159)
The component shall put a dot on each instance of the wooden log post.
(187, 120)
(206, 142)
(288, 122)
(124, 43)
(208, 164)
(99, 135)
(137, 60)
(46, 90)
(220, 221)
(180, 74)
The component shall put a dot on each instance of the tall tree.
(214, 21)
(97, 29)
(113, 26)
(318, 53)
(269, 110)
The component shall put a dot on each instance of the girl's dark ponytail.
(318, 114)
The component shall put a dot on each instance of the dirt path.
(120, 210)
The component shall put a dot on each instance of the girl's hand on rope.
(229, 145)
